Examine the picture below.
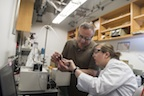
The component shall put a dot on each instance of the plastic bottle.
(42, 54)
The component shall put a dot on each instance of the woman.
(116, 78)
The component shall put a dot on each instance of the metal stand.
(45, 44)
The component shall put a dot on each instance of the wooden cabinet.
(114, 22)
(138, 15)
(121, 23)
(25, 15)
(72, 34)
(95, 37)
(96, 24)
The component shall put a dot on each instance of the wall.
(56, 37)
(135, 54)
(7, 39)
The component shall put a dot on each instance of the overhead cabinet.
(115, 24)
(121, 23)
(96, 25)
(25, 15)
(72, 34)
(138, 15)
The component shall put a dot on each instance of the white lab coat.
(116, 79)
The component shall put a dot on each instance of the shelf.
(95, 38)
(139, 18)
(72, 34)
(140, 3)
(117, 19)
(114, 38)
(129, 18)
(122, 26)
(138, 15)
(117, 12)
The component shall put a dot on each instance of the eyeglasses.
(83, 37)
(97, 50)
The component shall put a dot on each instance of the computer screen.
(7, 81)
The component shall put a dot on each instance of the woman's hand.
(66, 65)
(62, 63)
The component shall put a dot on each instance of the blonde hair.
(105, 47)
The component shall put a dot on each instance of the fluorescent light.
(71, 7)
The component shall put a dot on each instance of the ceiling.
(89, 11)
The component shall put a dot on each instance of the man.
(80, 50)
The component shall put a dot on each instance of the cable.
(51, 29)
(47, 28)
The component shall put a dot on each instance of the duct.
(54, 5)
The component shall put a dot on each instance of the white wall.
(55, 39)
(7, 39)
(135, 54)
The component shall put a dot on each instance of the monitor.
(7, 81)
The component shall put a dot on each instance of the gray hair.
(87, 25)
